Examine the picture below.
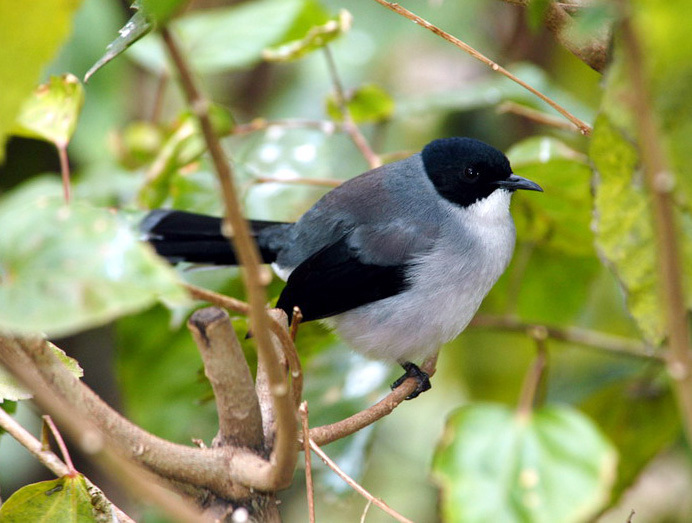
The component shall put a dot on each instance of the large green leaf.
(30, 35)
(217, 40)
(67, 268)
(495, 465)
(62, 500)
(368, 103)
(623, 216)
(52, 111)
(560, 218)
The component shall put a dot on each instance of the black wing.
(335, 280)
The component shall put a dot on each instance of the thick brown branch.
(240, 420)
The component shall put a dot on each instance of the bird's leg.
(412, 371)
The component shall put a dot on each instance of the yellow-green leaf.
(62, 500)
(52, 111)
(367, 104)
(30, 35)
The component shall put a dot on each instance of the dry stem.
(661, 182)
(354, 484)
(583, 127)
(235, 226)
(308, 462)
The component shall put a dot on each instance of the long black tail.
(184, 236)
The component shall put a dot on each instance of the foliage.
(586, 259)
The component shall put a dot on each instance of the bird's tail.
(183, 236)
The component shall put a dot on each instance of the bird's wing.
(362, 266)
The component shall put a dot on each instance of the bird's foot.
(412, 371)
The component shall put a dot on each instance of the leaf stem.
(64, 170)
(71, 471)
(583, 127)
(532, 380)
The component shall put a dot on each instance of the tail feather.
(183, 236)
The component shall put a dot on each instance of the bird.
(397, 260)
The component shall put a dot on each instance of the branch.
(227, 472)
(328, 433)
(583, 127)
(26, 359)
(349, 125)
(594, 53)
(240, 420)
(661, 183)
(237, 228)
(532, 380)
(308, 462)
(355, 486)
(535, 115)
(319, 182)
(596, 340)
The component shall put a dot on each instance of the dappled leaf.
(62, 500)
(230, 37)
(52, 111)
(316, 38)
(135, 28)
(369, 103)
(26, 46)
(67, 268)
(494, 465)
(12, 390)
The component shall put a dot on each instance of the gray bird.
(398, 259)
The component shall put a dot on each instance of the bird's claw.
(413, 371)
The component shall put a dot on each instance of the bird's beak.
(514, 183)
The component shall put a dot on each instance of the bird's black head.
(464, 170)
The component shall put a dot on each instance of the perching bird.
(398, 259)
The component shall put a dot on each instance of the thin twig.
(64, 170)
(365, 511)
(583, 127)
(535, 115)
(308, 461)
(533, 377)
(348, 124)
(319, 182)
(283, 454)
(220, 300)
(295, 322)
(71, 471)
(592, 339)
(660, 181)
(260, 124)
(159, 96)
(354, 484)
(328, 433)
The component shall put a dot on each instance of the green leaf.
(68, 268)
(30, 35)
(12, 390)
(560, 218)
(369, 103)
(494, 465)
(62, 500)
(184, 145)
(222, 39)
(161, 11)
(135, 28)
(316, 38)
(640, 417)
(537, 10)
(52, 111)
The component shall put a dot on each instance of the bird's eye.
(471, 174)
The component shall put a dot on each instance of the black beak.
(514, 183)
